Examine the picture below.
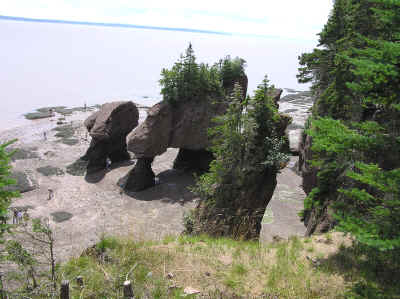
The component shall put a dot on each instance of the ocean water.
(45, 64)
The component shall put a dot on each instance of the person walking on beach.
(51, 194)
(45, 135)
(19, 216)
(15, 216)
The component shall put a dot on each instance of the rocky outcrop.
(241, 217)
(184, 126)
(235, 204)
(23, 182)
(108, 128)
(152, 137)
(319, 220)
(141, 176)
(308, 172)
(276, 95)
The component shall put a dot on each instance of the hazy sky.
(291, 19)
(46, 64)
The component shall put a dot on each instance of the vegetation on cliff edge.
(248, 150)
(355, 126)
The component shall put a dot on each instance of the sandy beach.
(85, 208)
(97, 206)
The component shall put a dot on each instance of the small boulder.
(308, 172)
(24, 183)
(190, 291)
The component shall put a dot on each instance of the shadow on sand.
(97, 176)
(172, 186)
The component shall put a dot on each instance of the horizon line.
(117, 25)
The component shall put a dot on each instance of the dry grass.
(237, 269)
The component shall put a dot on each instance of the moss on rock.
(78, 168)
(66, 131)
(61, 216)
(50, 170)
(37, 115)
(69, 141)
(23, 153)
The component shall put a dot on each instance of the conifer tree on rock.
(247, 145)
(193, 94)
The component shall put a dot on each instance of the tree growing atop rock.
(193, 94)
(247, 145)
(187, 80)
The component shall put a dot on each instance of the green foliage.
(188, 221)
(367, 197)
(245, 141)
(18, 254)
(187, 80)
(375, 219)
(356, 123)
(5, 194)
(31, 249)
(106, 243)
(230, 70)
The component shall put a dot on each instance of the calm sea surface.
(58, 64)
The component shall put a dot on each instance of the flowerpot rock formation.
(108, 128)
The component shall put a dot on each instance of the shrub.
(5, 181)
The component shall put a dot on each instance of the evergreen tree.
(231, 70)
(189, 81)
(355, 126)
(247, 145)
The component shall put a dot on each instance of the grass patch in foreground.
(225, 268)
(218, 268)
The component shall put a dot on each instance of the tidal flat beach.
(62, 65)
(92, 206)
(44, 65)
(85, 208)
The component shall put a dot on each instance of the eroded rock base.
(99, 151)
(141, 176)
(239, 215)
